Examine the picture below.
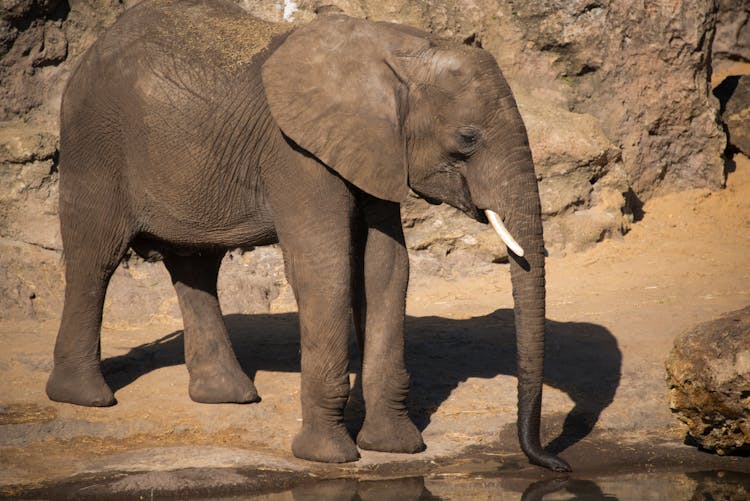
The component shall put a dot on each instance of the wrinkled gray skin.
(193, 128)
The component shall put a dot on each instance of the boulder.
(708, 374)
(570, 151)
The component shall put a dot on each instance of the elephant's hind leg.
(93, 251)
(215, 373)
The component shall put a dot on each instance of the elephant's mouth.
(430, 200)
(483, 216)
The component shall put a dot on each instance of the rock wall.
(614, 94)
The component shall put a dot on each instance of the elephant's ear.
(331, 89)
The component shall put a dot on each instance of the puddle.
(603, 471)
(228, 484)
(710, 485)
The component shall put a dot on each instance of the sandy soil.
(613, 312)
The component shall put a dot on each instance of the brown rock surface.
(616, 106)
(640, 69)
(708, 374)
(28, 185)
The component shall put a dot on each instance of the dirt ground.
(613, 313)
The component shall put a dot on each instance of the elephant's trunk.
(524, 220)
(511, 191)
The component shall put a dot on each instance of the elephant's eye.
(467, 138)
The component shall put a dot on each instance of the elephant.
(191, 127)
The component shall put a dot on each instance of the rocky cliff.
(615, 96)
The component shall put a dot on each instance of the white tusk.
(499, 227)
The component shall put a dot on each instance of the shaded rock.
(708, 374)
(25, 44)
(732, 40)
(140, 293)
(54, 48)
(734, 94)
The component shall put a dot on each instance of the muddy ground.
(613, 313)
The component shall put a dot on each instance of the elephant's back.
(161, 101)
(165, 67)
(210, 32)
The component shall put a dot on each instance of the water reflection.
(414, 489)
(704, 486)
(350, 489)
(580, 489)
(231, 484)
(717, 485)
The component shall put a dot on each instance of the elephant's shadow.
(582, 360)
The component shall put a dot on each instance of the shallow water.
(186, 484)
(704, 485)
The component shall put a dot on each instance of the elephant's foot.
(79, 386)
(220, 385)
(390, 434)
(331, 444)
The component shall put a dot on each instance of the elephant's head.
(391, 108)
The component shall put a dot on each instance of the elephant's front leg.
(313, 215)
(385, 381)
(322, 288)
